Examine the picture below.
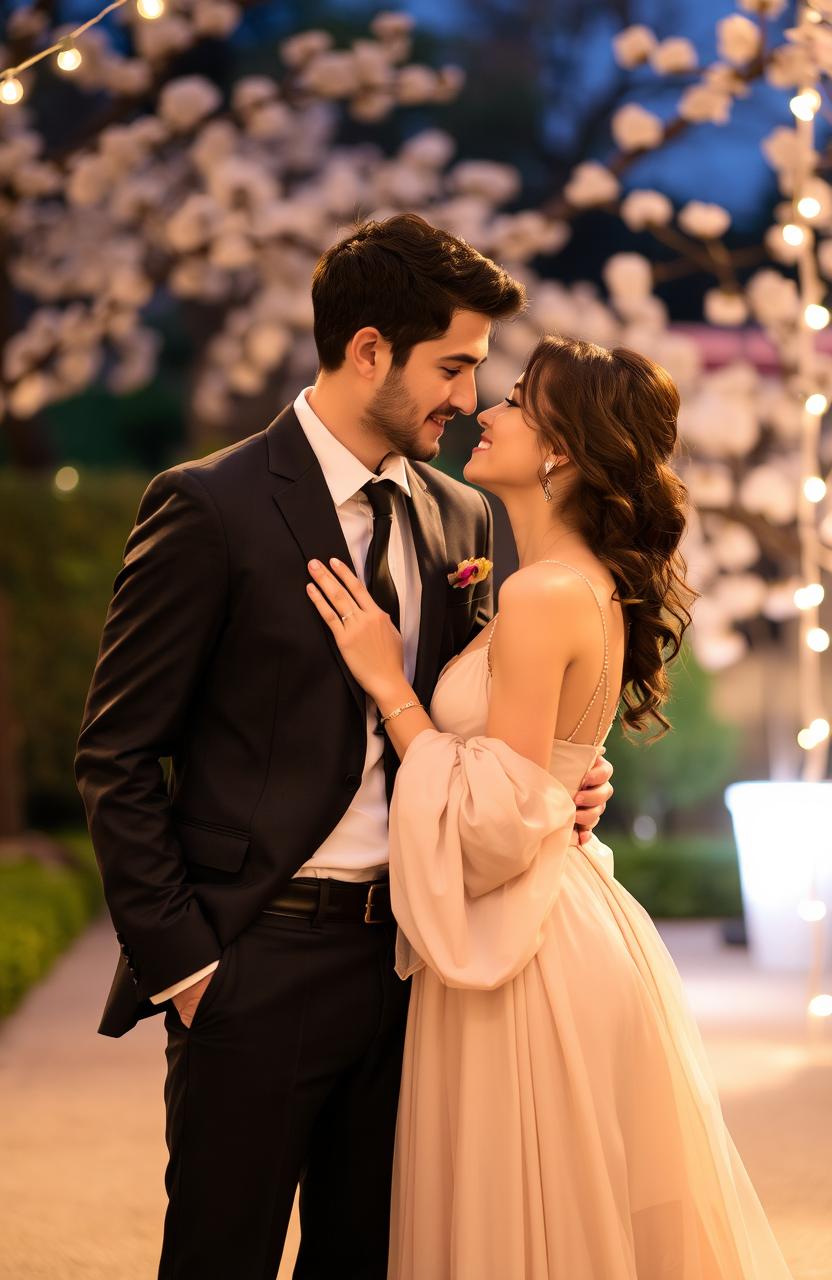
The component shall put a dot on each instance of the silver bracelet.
(404, 707)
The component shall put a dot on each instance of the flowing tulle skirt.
(558, 1118)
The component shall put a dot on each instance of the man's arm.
(167, 609)
(485, 607)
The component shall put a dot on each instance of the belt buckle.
(368, 906)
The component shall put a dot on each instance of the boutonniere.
(468, 571)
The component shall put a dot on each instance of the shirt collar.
(343, 472)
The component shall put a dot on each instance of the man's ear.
(369, 353)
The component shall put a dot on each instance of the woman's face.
(509, 454)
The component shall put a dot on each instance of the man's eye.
(450, 372)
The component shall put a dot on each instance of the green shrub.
(59, 555)
(679, 877)
(42, 908)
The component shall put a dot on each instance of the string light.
(808, 206)
(817, 639)
(69, 58)
(806, 105)
(793, 234)
(821, 1006)
(816, 316)
(814, 489)
(11, 90)
(809, 597)
(817, 403)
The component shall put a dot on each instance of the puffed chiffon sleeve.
(479, 837)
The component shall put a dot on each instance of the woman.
(557, 1115)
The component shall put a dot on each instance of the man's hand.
(591, 800)
(187, 1001)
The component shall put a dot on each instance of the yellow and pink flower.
(468, 571)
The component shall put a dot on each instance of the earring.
(547, 488)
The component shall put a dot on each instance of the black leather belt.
(334, 900)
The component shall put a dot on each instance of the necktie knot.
(381, 495)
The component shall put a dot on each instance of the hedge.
(42, 908)
(679, 877)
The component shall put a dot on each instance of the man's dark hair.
(407, 279)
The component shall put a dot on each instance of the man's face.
(413, 403)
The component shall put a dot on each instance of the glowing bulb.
(806, 740)
(809, 597)
(11, 91)
(793, 234)
(812, 15)
(69, 58)
(806, 105)
(808, 207)
(816, 317)
(821, 1006)
(820, 728)
(817, 403)
(811, 910)
(150, 9)
(817, 639)
(66, 479)
(814, 489)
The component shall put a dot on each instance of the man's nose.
(464, 397)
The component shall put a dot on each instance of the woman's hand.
(369, 643)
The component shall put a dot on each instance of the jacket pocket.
(210, 846)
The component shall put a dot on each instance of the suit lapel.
(307, 507)
(431, 554)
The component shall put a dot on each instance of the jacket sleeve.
(168, 607)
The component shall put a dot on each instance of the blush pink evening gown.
(558, 1119)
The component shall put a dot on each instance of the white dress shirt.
(357, 848)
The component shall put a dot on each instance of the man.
(250, 893)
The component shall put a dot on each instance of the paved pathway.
(81, 1117)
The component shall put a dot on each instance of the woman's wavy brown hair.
(613, 413)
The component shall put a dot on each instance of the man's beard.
(394, 416)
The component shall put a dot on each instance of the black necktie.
(380, 584)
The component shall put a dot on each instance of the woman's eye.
(513, 403)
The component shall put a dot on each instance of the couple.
(295, 627)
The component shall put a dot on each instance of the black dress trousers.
(288, 1074)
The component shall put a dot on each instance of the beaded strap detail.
(604, 679)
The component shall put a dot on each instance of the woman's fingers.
(334, 591)
(324, 608)
(354, 584)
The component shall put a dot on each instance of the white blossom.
(674, 56)
(733, 545)
(710, 484)
(771, 492)
(724, 308)
(496, 182)
(702, 103)
(628, 274)
(824, 253)
(633, 45)
(739, 595)
(591, 183)
(300, 49)
(706, 221)
(779, 603)
(90, 179)
(392, 25)
(738, 39)
(635, 129)
(717, 650)
(416, 84)
(193, 224)
(30, 395)
(516, 237)
(333, 74)
(375, 70)
(266, 345)
(430, 149)
(216, 18)
(641, 209)
(774, 298)
(788, 66)
(160, 39)
(185, 102)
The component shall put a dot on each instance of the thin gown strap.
(603, 681)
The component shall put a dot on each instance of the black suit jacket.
(213, 655)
